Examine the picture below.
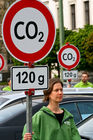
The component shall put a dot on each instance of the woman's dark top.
(59, 117)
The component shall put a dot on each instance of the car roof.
(10, 97)
(36, 101)
(81, 91)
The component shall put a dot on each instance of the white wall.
(66, 13)
(80, 15)
(91, 11)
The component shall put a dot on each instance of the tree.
(79, 39)
(88, 47)
(52, 59)
(83, 40)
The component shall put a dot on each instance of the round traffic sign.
(28, 30)
(69, 56)
(1, 62)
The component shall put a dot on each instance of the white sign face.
(0, 62)
(70, 74)
(28, 33)
(69, 56)
(24, 78)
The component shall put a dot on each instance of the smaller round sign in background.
(69, 56)
(1, 62)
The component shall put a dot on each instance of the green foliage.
(52, 56)
(88, 47)
(3, 83)
(80, 39)
(67, 33)
(51, 60)
(1, 44)
(16, 62)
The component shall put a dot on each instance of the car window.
(72, 108)
(86, 108)
(10, 112)
(15, 115)
(16, 101)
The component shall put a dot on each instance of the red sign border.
(2, 59)
(15, 52)
(69, 67)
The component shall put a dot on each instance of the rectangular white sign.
(70, 74)
(24, 78)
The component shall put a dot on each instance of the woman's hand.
(28, 136)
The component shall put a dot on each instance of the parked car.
(12, 97)
(13, 114)
(79, 101)
(85, 128)
(13, 118)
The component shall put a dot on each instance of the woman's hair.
(51, 83)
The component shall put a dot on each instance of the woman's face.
(57, 93)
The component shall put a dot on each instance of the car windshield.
(3, 100)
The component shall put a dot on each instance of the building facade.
(76, 13)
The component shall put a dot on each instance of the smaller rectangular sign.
(70, 74)
(24, 78)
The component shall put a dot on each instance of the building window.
(87, 20)
(73, 19)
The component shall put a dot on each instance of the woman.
(52, 122)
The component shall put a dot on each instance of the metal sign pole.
(29, 94)
(61, 21)
(29, 113)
